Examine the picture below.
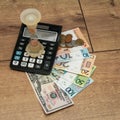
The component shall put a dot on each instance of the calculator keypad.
(23, 60)
(43, 63)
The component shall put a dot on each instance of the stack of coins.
(62, 41)
(34, 48)
(68, 40)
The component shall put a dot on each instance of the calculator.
(48, 36)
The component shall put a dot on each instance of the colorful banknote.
(87, 65)
(81, 66)
(70, 66)
(71, 83)
(70, 88)
(75, 53)
(51, 97)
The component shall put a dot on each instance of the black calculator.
(48, 36)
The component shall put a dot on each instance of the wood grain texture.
(101, 100)
(103, 23)
(64, 12)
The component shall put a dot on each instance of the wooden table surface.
(99, 20)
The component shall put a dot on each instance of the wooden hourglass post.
(31, 17)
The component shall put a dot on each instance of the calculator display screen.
(43, 34)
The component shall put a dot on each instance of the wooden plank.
(103, 22)
(100, 101)
(64, 12)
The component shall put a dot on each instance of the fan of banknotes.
(71, 73)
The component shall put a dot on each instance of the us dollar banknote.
(51, 97)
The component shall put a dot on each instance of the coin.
(69, 45)
(79, 42)
(62, 38)
(62, 41)
(68, 38)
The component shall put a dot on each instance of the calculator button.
(46, 65)
(21, 43)
(49, 52)
(41, 56)
(39, 61)
(37, 66)
(18, 52)
(26, 54)
(15, 62)
(22, 39)
(25, 59)
(23, 64)
(52, 44)
(51, 48)
(16, 57)
(20, 48)
(48, 57)
(32, 60)
(44, 43)
(30, 65)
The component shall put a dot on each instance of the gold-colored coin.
(79, 42)
(62, 41)
(68, 38)
(62, 38)
(69, 45)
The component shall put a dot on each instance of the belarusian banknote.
(71, 54)
(87, 65)
(71, 83)
(81, 67)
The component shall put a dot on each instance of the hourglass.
(37, 44)
(31, 17)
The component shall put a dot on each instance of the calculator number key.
(41, 56)
(23, 64)
(39, 61)
(26, 54)
(15, 62)
(32, 60)
(25, 59)
(30, 65)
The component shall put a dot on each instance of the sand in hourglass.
(30, 17)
